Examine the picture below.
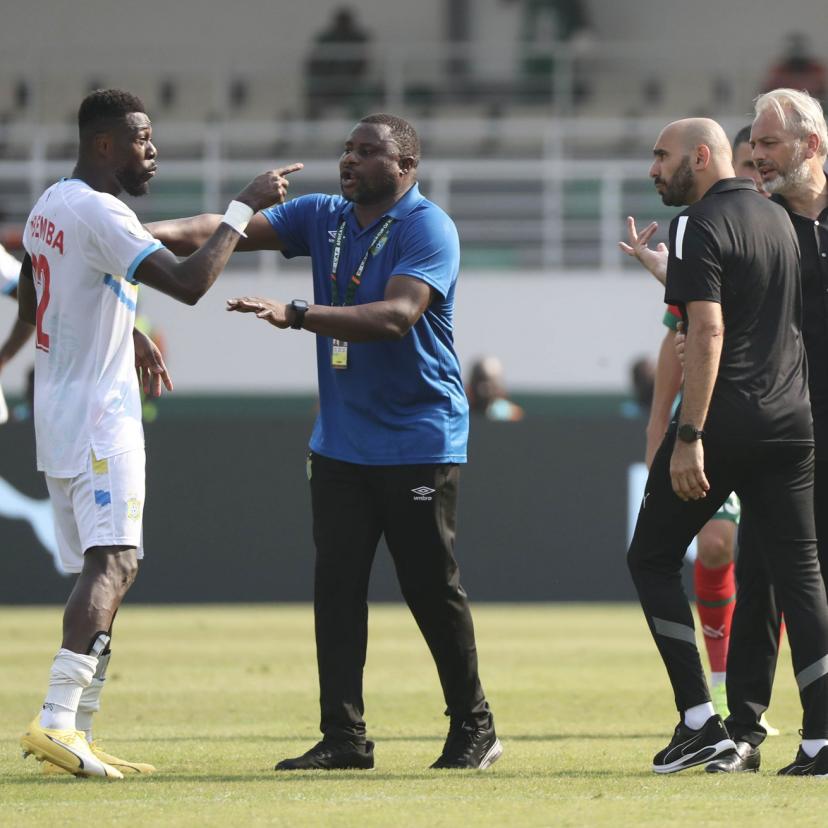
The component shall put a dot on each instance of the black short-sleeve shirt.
(813, 246)
(738, 249)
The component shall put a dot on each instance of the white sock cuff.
(695, 717)
(72, 668)
(813, 746)
(64, 696)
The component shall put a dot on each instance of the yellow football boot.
(66, 749)
(122, 765)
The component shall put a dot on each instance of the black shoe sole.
(356, 761)
(490, 757)
(701, 757)
(726, 764)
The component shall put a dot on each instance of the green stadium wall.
(543, 512)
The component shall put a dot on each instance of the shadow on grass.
(382, 739)
(332, 777)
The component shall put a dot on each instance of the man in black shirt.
(790, 140)
(744, 426)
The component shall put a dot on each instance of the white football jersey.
(85, 247)
(9, 271)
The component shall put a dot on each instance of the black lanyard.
(350, 293)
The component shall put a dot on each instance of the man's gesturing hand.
(149, 364)
(654, 260)
(268, 189)
(687, 470)
(267, 309)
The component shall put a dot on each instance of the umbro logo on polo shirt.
(423, 493)
(331, 236)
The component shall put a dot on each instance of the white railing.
(548, 211)
(593, 75)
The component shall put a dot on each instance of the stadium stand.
(533, 181)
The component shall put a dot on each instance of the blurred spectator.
(24, 410)
(167, 93)
(722, 92)
(642, 376)
(11, 236)
(652, 91)
(798, 69)
(545, 24)
(486, 392)
(22, 94)
(337, 68)
(238, 94)
(20, 331)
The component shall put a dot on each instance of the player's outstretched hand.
(269, 188)
(636, 246)
(152, 372)
(267, 309)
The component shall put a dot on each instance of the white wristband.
(237, 216)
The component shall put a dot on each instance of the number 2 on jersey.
(40, 269)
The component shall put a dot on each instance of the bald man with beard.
(744, 425)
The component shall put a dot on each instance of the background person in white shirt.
(86, 251)
(21, 330)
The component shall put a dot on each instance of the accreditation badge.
(339, 354)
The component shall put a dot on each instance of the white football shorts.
(103, 506)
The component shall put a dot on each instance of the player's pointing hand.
(269, 188)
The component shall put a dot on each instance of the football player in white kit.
(21, 330)
(86, 252)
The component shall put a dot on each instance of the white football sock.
(90, 700)
(695, 717)
(70, 674)
(813, 746)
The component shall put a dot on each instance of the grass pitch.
(215, 695)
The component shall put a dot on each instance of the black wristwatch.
(689, 433)
(300, 308)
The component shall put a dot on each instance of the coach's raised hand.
(655, 260)
(268, 189)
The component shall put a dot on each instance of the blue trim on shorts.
(102, 497)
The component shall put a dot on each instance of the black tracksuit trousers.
(775, 484)
(754, 637)
(414, 507)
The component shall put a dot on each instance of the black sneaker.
(693, 747)
(470, 745)
(804, 765)
(329, 755)
(744, 758)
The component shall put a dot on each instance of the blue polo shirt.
(398, 402)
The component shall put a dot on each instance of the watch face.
(300, 308)
(688, 433)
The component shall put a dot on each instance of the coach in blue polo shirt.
(392, 429)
